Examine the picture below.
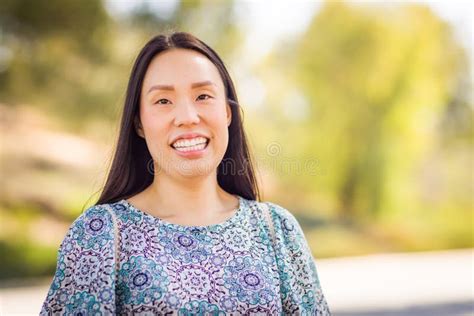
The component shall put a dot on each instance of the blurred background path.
(418, 284)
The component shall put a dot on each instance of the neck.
(184, 197)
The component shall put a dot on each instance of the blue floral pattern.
(231, 268)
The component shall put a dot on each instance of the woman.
(182, 198)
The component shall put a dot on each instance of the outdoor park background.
(359, 115)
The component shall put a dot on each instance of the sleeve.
(300, 289)
(84, 281)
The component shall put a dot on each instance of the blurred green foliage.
(365, 133)
(380, 91)
(56, 51)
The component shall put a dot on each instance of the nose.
(186, 114)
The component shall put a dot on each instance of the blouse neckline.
(232, 219)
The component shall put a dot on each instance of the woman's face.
(184, 113)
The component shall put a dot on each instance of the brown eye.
(204, 95)
(159, 101)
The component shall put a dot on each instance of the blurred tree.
(82, 22)
(377, 82)
(56, 48)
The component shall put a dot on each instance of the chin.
(197, 168)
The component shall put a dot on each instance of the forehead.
(179, 66)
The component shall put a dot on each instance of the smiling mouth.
(195, 144)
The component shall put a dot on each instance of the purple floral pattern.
(231, 268)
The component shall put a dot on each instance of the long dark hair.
(130, 171)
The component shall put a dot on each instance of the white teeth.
(191, 148)
(188, 143)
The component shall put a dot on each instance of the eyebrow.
(171, 88)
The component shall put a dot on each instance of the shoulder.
(85, 266)
(92, 229)
(287, 228)
(95, 217)
(280, 214)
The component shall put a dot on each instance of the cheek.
(155, 129)
(219, 118)
(220, 128)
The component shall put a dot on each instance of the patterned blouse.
(162, 268)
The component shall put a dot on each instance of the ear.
(138, 126)
(229, 114)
